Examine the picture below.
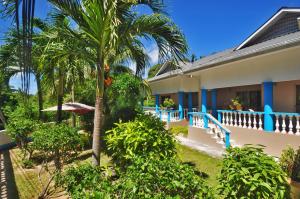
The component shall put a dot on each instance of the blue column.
(220, 117)
(180, 104)
(227, 140)
(214, 102)
(203, 100)
(203, 106)
(157, 103)
(191, 119)
(190, 101)
(268, 106)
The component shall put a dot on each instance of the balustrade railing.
(207, 121)
(242, 119)
(287, 123)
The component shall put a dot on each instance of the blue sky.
(209, 26)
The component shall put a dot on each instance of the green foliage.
(176, 130)
(85, 181)
(60, 142)
(168, 103)
(236, 104)
(145, 136)
(152, 178)
(154, 70)
(20, 130)
(27, 163)
(150, 101)
(249, 173)
(296, 167)
(286, 160)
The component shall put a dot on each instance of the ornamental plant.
(145, 136)
(60, 142)
(168, 103)
(287, 160)
(250, 173)
(168, 178)
(296, 167)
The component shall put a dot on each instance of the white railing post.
(223, 118)
(235, 119)
(240, 120)
(283, 125)
(277, 124)
(227, 118)
(249, 121)
(254, 121)
(290, 125)
(297, 125)
(260, 122)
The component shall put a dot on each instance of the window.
(250, 99)
(298, 98)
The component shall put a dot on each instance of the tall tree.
(111, 24)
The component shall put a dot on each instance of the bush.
(152, 178)
(286, 160)
(296, 167)
(85, 181)
(168, 103)
(176, 130)
(60, 142)
(145, 136)
(249, 173)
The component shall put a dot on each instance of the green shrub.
(152, 178)
(168, 103)
(27, 163)
(286, 160)
(60, 142)
(145, 136)
(249, 173)
(176, 130)
(296, 167)
(85, 181)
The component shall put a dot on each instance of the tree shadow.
(199, 173)
(8, 187)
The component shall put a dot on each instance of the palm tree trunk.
(60, 94)
(98, 118)
(73, 100)
(40, 95)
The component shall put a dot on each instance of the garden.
(83, 52)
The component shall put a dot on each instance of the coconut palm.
(110, 25)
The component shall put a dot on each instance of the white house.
(263, 71)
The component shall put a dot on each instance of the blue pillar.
(157, 103)
(191, 119)
(214, 102)
(203, 100)
(227, 140)
(180, 104)
(220, 117)
(268, 106)
(190, 102)
(203, 106)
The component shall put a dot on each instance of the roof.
(241, 52)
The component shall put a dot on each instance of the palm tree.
(110, 25)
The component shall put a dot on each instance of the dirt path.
(8, 188)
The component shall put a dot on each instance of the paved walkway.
(8, 188)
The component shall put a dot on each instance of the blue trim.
(191, 119)
(169, 117)
(268, 106)
(157, 102)
(204, 106)
(180, 104)
(214, 102)
(219, 116)
(190, 102)
(227, 139)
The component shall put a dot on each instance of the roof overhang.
(267, 24)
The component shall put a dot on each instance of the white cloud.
(153, 54)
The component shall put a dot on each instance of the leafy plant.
(168, 103)
(236, 104)
(168, 178)
(60, 142)
(176, 130)
(145, 136)
(249, 173)
(286, 160)
(84, 181)
(19, 130)
(296, 167)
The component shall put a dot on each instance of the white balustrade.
(242, 119)
(287, 123)
(174, 116)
